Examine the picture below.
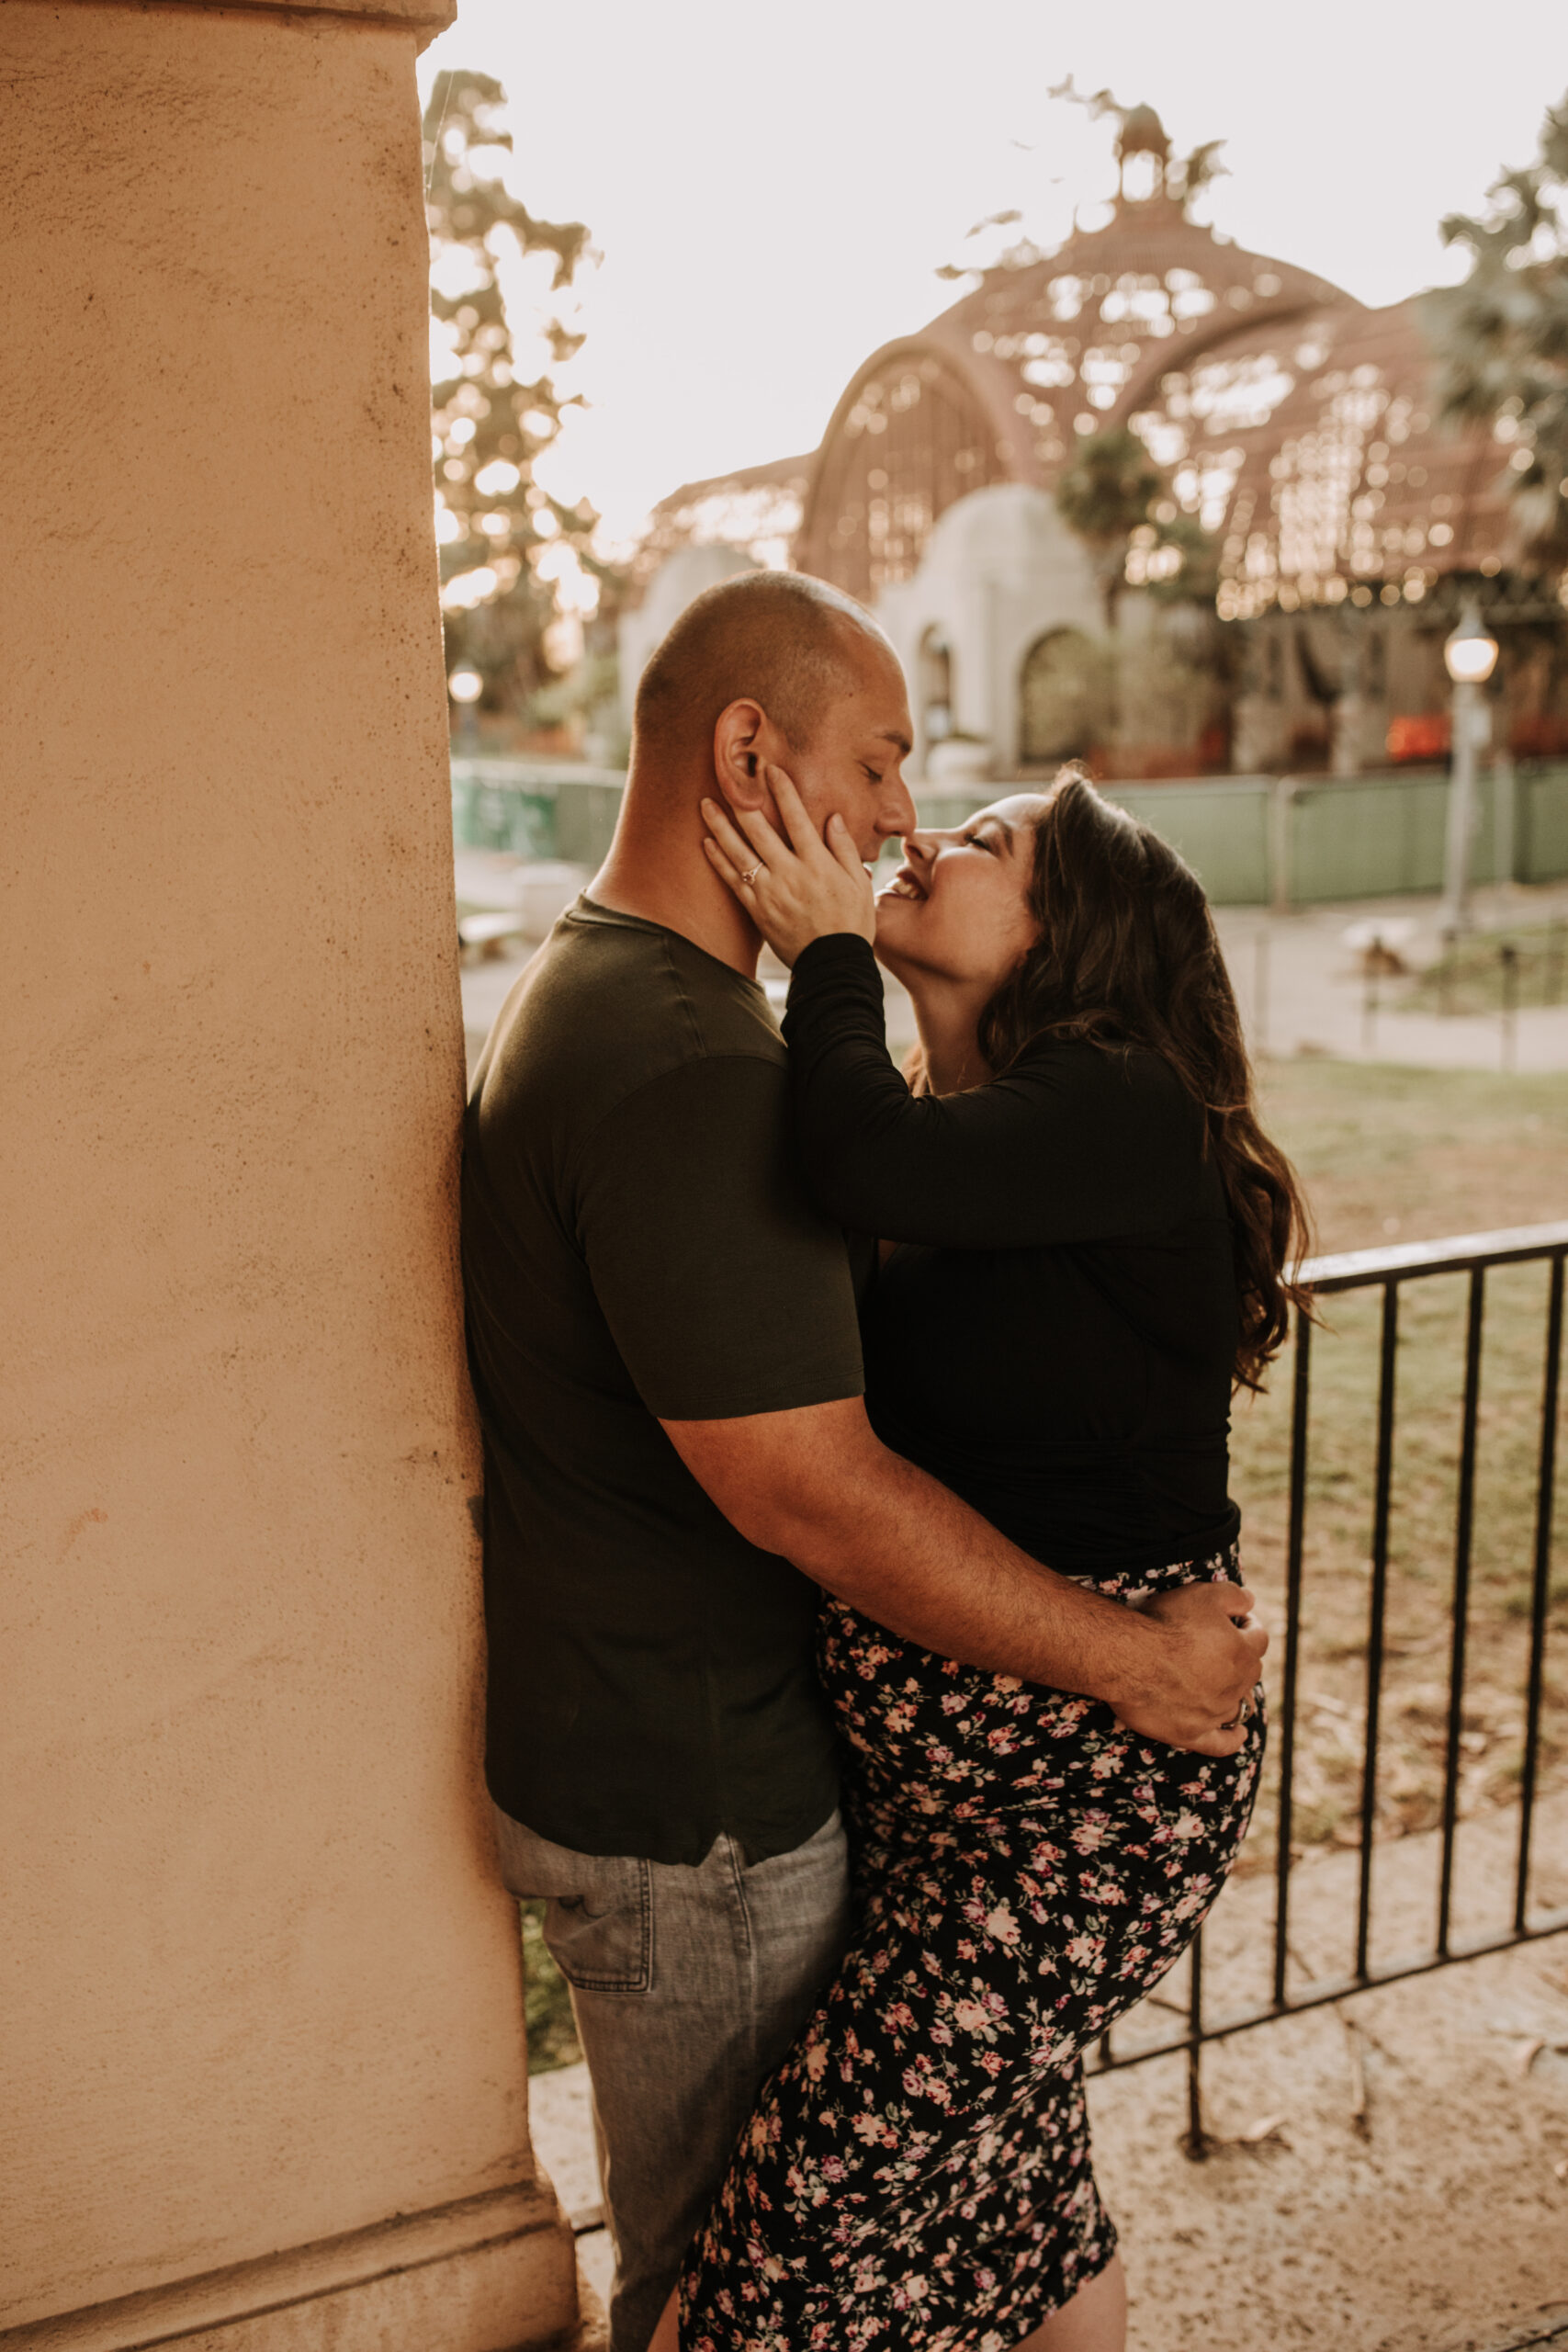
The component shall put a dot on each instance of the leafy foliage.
(546, 2003)
(1108, 492)
(1502, 336)
(494, 520)
(1115, 499)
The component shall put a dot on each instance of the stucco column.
(262, 2075)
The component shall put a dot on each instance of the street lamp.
(465, 685)
(1470, 656)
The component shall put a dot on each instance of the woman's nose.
(920, 848)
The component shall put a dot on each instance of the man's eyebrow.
(891, 735)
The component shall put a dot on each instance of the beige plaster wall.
(259, 1989)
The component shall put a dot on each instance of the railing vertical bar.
(1541, 1587)
(1464, 1522)
(1197, 2137)
(1301, 1401)
(1377, 1610)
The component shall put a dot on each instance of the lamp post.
(465, 685)
(1470, 656)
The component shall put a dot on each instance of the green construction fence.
(1253, 841)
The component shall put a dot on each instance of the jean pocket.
(602, 1937)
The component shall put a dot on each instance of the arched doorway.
(1066, 698)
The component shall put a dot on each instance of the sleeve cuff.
(837, 955)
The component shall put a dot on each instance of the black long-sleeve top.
(1054, 1335)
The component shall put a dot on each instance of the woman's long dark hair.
(1127, 955)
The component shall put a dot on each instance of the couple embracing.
(872, 1690)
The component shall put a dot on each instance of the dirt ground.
(1413, 2193)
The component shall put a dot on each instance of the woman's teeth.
(902, 888)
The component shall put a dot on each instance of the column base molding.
(495, 2273)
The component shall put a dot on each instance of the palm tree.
(1103, 496)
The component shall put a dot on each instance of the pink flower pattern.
(917, 2177)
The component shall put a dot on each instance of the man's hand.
(1212, 1649)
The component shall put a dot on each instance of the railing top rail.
(1356, 1269)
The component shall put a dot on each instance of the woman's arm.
(1075, 1145)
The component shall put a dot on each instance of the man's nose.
(897, 813)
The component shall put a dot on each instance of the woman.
(1084, 1232)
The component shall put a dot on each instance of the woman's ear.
(739, 760)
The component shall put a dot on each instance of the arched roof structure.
(1046, 347)
(1293, 422)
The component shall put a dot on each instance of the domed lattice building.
(1292, 425)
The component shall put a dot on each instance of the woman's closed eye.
(979, 841)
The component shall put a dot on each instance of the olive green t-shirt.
(635, 1247)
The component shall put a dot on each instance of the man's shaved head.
(782, 639)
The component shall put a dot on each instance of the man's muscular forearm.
(817, 1486)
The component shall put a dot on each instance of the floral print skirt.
(917, 2173)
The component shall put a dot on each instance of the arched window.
(1067, 698)
(912, 443)
(935, 677)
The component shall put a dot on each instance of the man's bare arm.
(817, 1487)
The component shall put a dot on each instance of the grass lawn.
(1386, 1155)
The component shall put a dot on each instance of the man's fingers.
(1212, 1742)
(1221, 1743)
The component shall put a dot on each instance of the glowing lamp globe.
(466, 685)
(1471, 654)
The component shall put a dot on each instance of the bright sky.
(772, 188)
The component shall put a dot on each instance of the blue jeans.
(688, 1984)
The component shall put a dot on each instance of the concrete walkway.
(1298, 984)
(1301, 990)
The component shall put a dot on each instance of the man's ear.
(739, 746)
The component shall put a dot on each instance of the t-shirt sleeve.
(1073, 1144)
(725, 1291)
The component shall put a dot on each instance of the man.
(664, 1349)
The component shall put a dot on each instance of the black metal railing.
(1391, 1270)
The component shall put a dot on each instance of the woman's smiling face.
(958, 910)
